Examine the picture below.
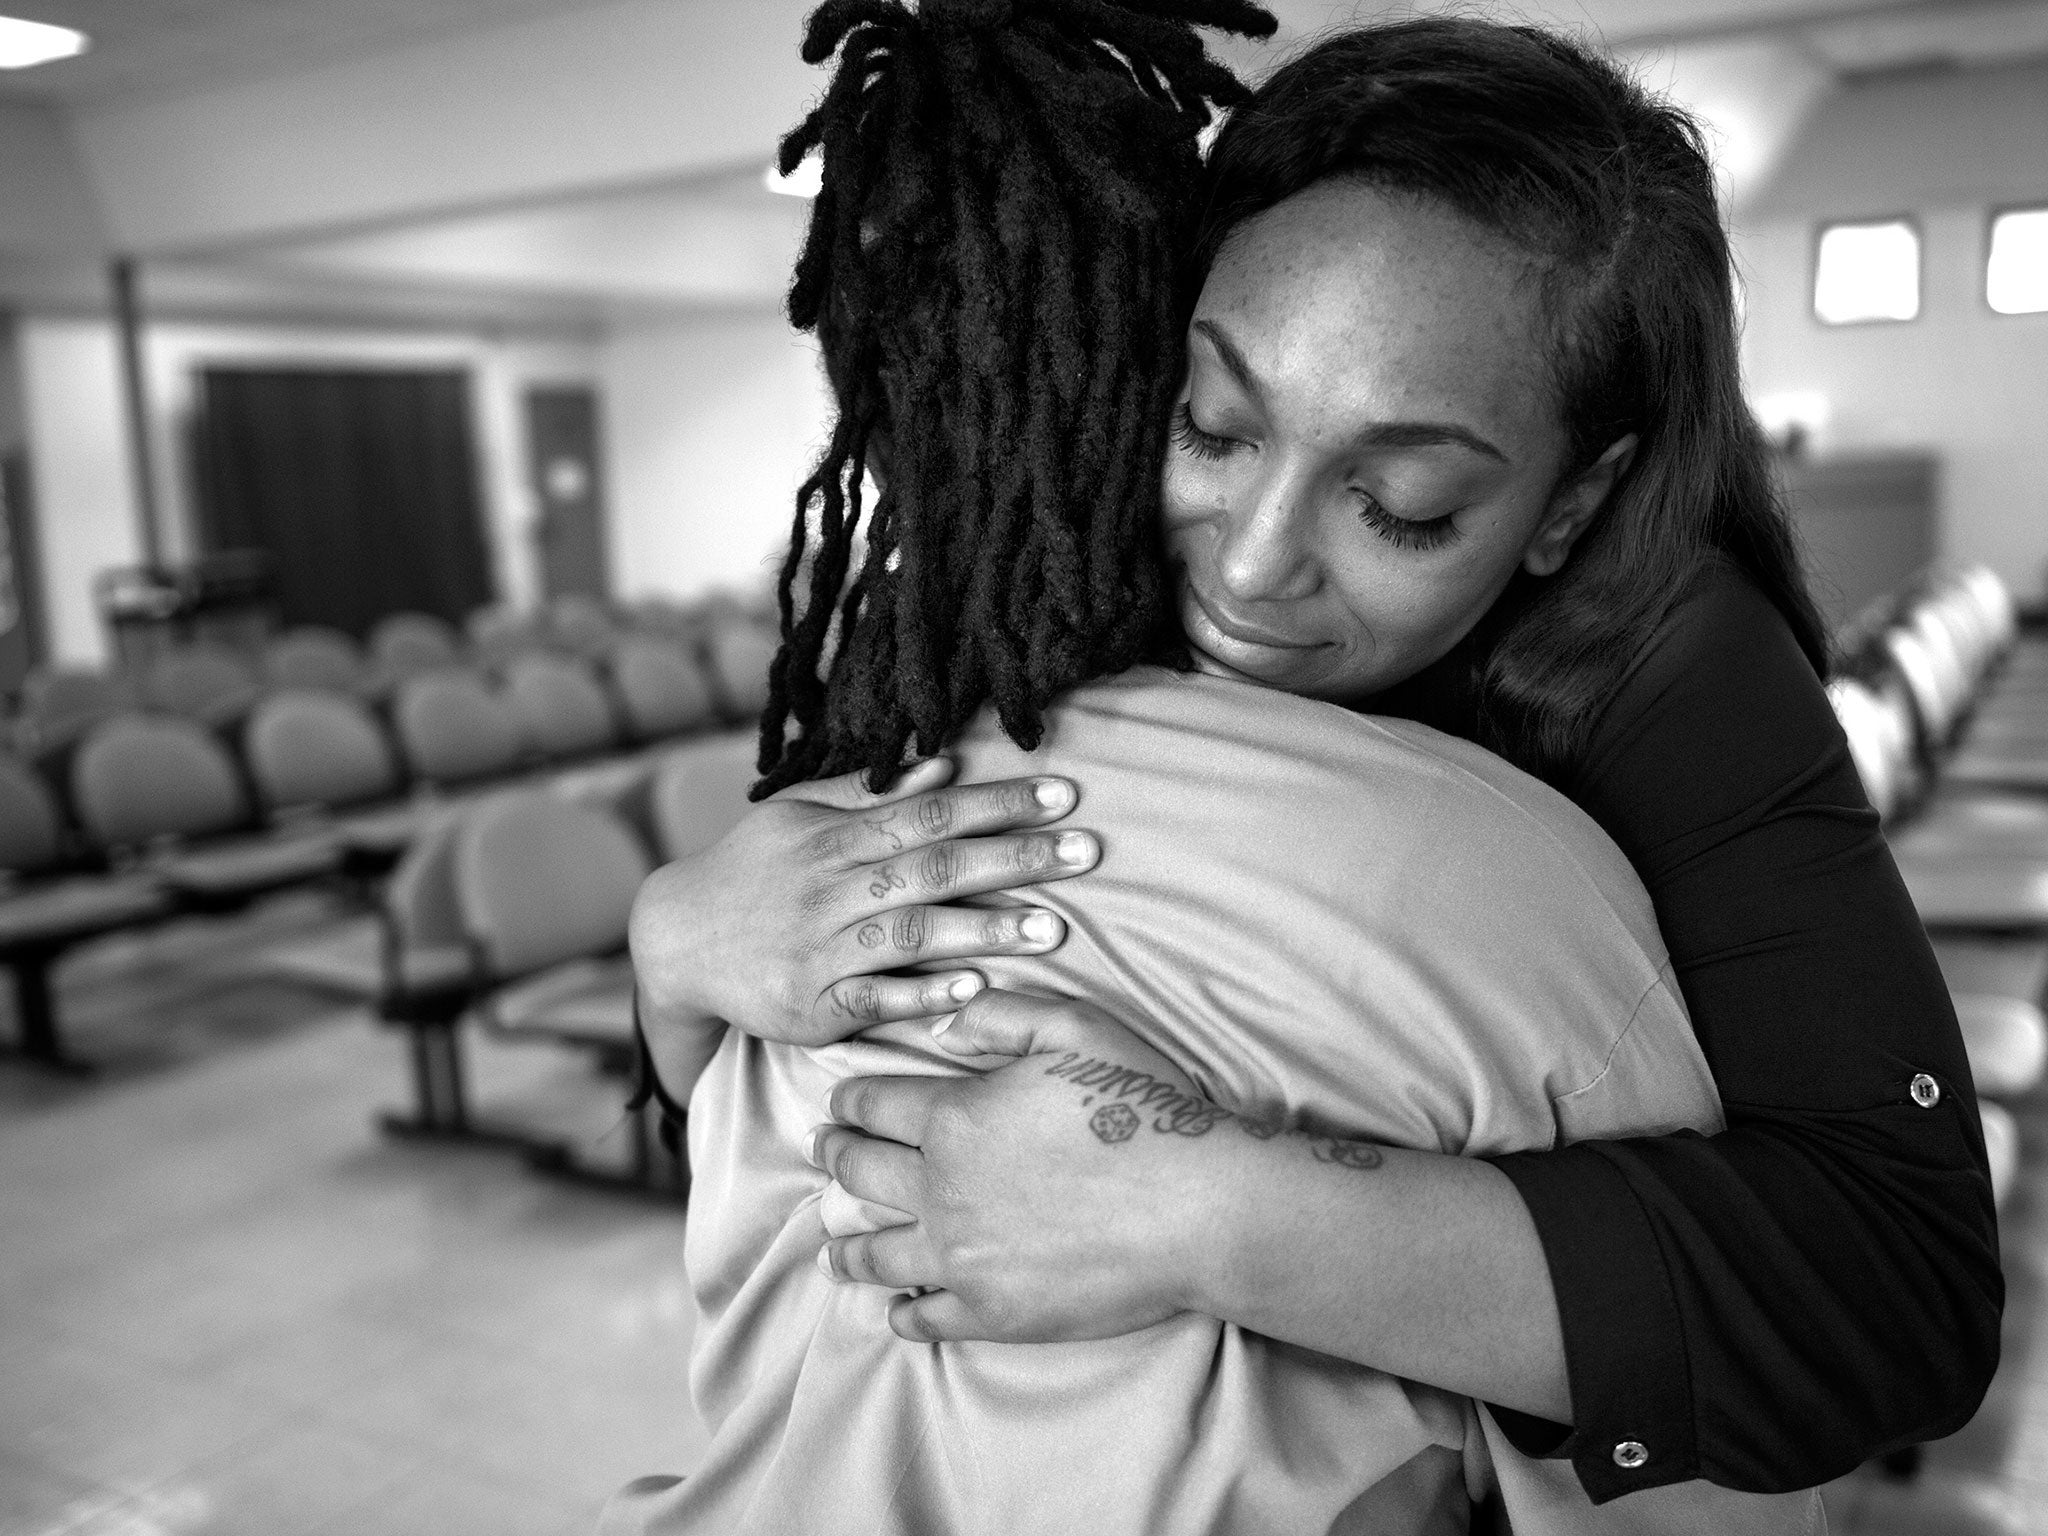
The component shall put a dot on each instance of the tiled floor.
(228, 1306)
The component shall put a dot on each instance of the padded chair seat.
(393, 829)
(78, 909)
(2000, 768)
(1976, 825)
(1978, 892)
(585, 1002)
(2001, 1149)
(249, 866)
(425, 968)
(2007, 1041)
(2016, 968)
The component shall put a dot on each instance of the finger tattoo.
(886, 880)
(872, 935)
(879, 825)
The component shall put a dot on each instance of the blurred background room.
(398, 431)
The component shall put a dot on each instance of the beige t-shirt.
(1358, 927)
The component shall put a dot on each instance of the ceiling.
(720, 240)
(145, 49)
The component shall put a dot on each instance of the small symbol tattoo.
(1114, 1122)
(872, 935)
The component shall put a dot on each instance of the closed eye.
(1405, 532)
(1192, 439)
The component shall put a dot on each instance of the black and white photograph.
(1024, 768)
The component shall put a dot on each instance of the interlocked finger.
(875, 834)
(880, 1172)
(898, 1257)
(868, 1000)
(935, 1317)
(971, 866)
(890, 941)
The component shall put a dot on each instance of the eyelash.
(1203, 445)
(1401, 532)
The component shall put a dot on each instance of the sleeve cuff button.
(1925, 1090)
(1630, 1455)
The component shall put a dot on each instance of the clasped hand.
(793, 926)
(1043, 1200)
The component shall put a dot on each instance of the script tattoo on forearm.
(1132, 1094)
(1130, 1091)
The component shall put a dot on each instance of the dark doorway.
(360, 484)
(562, 458)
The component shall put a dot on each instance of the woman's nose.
(1264, 553)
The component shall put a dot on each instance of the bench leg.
(36, 1011)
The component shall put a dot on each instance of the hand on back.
(791, 927)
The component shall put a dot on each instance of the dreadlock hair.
(996, 269)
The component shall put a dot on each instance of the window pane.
(1867, 272)
(2016, 280)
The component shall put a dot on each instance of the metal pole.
(135, 387)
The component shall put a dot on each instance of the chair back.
(660, 688)
(419, 896)
(580, 624)
(202, 682)
(403, 644)
(1881, 754)
(60, 704)
(140, 777)
(700, 792)
(307, 747)
(741, 652)
(561, 709)
(31, 828)
(541, 880)
(499, 633)
(314, 656)
(453, 728)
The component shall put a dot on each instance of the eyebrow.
(1383, 434)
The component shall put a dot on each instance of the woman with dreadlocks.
(991, 266)
(1414, 228)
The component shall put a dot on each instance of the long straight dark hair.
(1609, 191)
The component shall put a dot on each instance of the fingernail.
(963, 988)
(825, 1264)
(811, 1139)
(1053, 793)
(943, 1023)
(1074, 848)
(1039, 928)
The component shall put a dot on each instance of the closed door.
(562, 457)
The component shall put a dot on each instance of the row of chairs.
(1945, 707)
(150, 815)
(511, 918)
(726, 651)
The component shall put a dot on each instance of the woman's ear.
(1572, 509)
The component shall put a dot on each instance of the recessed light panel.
(2016, 277)
(23, 43)
(1867, 272)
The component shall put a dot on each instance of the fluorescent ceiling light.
(804, 181)
(2016, 278)
(23, 43)
(1867, 272)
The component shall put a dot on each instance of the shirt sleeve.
(1819, 1283)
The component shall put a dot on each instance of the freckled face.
(1367, 444)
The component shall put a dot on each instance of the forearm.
(680, 1045)
(1419, 1264)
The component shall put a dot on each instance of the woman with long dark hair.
(1762, 1307)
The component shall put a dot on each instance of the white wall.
(84, 486)
(711, 424)
(84, 494)
(636, 91)
(1961, 382)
